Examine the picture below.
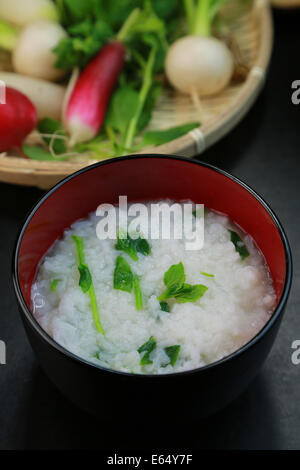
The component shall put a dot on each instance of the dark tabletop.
(264, 152)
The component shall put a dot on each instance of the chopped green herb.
(123, 277)
(126, 245)
(176, 287)
(189, 293)
(207, 274)
(147, 349)
(173, 353)
(54, 284)
(173, 280)
(142, 246)
(240, 246)
(138, 293)
(97, 355)
(125, 280)
(86, 282)
(164, 306)
(132, 246)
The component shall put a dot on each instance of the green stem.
(189, 6)
(202, 25)
(121, 36)
(94, 307)
(147, 82)
(138, 294)
(81, 259)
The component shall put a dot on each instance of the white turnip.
(22, 12)
(199, 64)
(33, 54)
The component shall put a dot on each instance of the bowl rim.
(235, 354)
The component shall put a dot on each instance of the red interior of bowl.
(147, 178)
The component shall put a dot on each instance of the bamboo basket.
(288, 4)
(253, 31)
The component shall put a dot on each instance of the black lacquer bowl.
(110, 394)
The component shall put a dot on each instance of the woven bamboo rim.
(289, 4)
(226, 110)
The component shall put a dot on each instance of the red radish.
(18, 117)
(87, 105)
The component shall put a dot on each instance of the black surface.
(263, 151)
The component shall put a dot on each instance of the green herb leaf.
(54, 284)
(53, 127)
(142, 246)
(137, 293)
(147, 349)
(160, 137)
(164, 306)
(175, 275)
(147, 111)
(38, 153)
(239, 244)
(189, 293)
(176, 287)
(123, 276)
(124, 104)
(173, 353)
(165, 9)
(73, 11)
(173, 280)
(85, 280)
(84, 41)
(126, 245)
(132, 246)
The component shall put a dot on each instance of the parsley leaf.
(85, 280)
(125, 280)
(240, 246)
(164, 306)
(173, 353)
(147, 349)
(173, 280)
(132, 246)
(54, 284)
(83, 43)
(176, 287)
(189, 293)
(123, 276)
